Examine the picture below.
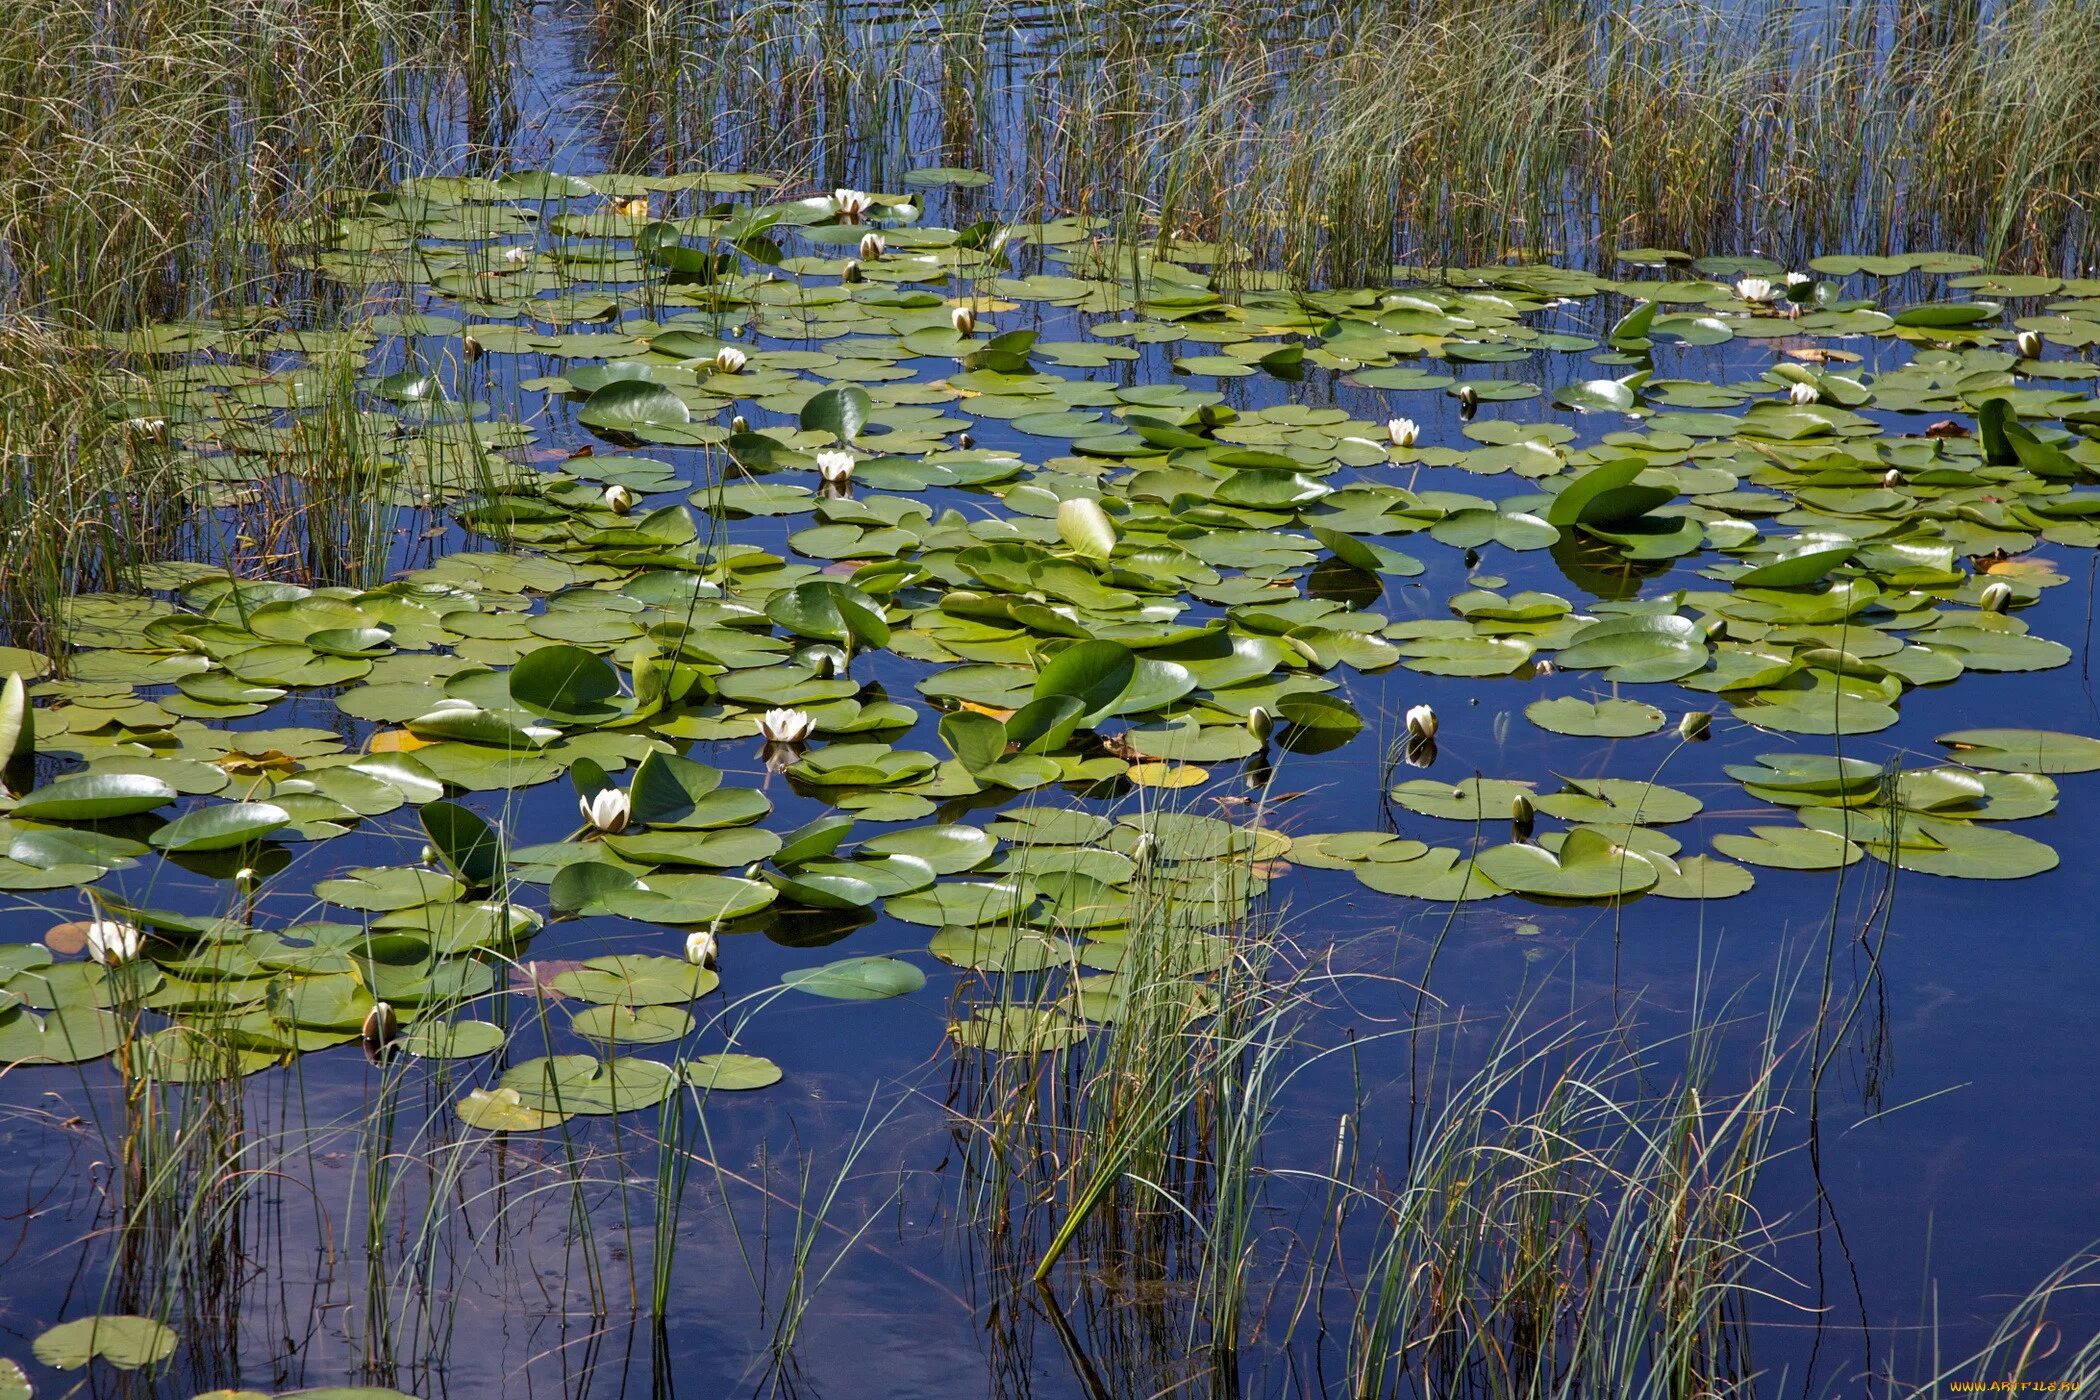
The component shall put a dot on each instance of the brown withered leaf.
(68, 937)
(268, 761)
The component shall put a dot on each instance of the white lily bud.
(1468, 397)
(114, 942)
(871, 247)
(1996, 597)
(850, 270)
(738, 423)
(1694, 726)
(729, 360)
(153, 429)
(1421, 723)
(835, 466)
(1804, 393)
(785, 726)
(606, 809)
(963, 318)
(2029, 344)
(381, 1024)
(700, 948)
(1260, 723)
(1892, 479)
(471, 348)
(1521, 813)
(1403, 432)
(618, 499)
(247, 879)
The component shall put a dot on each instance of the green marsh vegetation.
(493, 596)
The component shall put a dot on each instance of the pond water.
(1109, 645)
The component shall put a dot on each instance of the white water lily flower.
(1800, 279)
(381, 1022)
(1804, 392)
(871, 246)
(729, 360)
(113, 942)
(2029, 344)
(1404, 432)
(517, 256)
(785, 726)
(964, 319)
(835, 466)
(1421, 723)
(852, 204)
(606, 809)
(700, 948)
(1754, 289)
(618, 499)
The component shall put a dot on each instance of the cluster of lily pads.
(1177, 581)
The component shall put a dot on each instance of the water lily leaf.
(567, 685)
(967, 903)
(570, 1084)
(629, 405)
(1018, 1030)
(452, 1040)
(948, 848)
(636, 979)
(680, 794)
(857, 979)
(1085, 528)
(1638, 648)
(221, 828)
(1614, 801)
(70, 1034)
(469, 846)
(126, 1342)
(731, 1072)
(1587, 866)
(1962, 850)
(1788, 848)
(842, 411)
(1470, 800)
(1698, 877)
(93, 797)
(831, 611)
(502, 1110)
(1096, 674)
(376, 889)
(1437, 874)
(617, 1024)
(2024, 750)
(1609, 719)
